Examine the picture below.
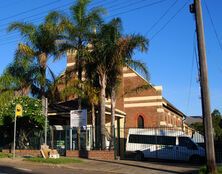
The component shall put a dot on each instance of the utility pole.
(205, 99)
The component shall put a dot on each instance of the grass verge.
(5, 155)
(61, 160)
(203, 170)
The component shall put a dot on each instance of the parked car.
(163, 144)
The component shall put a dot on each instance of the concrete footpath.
(106, 167)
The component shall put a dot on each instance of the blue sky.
(170, 59)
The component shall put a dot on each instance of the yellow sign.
(18, 110)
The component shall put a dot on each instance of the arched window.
(140, 122)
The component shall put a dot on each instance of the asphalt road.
(17, 166)
(5, 169)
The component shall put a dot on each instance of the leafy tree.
(31, 120)
(7, 86)
(198, 127)
(216, 120)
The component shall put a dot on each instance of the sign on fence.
(78, 118)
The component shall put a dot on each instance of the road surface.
(17, 166)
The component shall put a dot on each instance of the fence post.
(156, 142)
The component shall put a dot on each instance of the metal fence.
(134, 143)
(163, 143)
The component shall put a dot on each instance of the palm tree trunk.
(93, 125)
(79, 64)
(42, 61)
(80, 79)
(113, 108)
(103, 80)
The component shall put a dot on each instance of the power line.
(126, 5)
(40, 18)
(197, 63)
(191, 74)
(30, 10)
(164, 26)
(138, 8)
(148, 5)
(8, 4)
(10, 42)
(213, 25)
(68, 4)
(103, 4)
(161, 17)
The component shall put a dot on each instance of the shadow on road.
(12, 170)
(194, 171)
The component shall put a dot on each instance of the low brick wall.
(23, 152)
(94, 154)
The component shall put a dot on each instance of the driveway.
(17, 166)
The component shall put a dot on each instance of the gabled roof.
(171, 107)
(166, 103)
(193, 119)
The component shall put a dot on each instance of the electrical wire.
(191, 74)
(30, 10)
(39, 19)
(161, 17)
(126, 5)
(138, 8)
(164, 26)
(213, 25)
(42, 17)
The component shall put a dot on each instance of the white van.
(163, 144)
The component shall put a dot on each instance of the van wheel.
(139, 156)
(195, 159)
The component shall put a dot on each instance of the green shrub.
(203, 170)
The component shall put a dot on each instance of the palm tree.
(17, 78)
(77, 31)
(39, 44)
(24, 71)
(100, 59)
(111, 51)
(122, 56)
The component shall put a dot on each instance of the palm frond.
(137, 89)
(25, 50)
(140, 66)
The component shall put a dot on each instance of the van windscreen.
(152, 139)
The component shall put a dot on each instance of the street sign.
(78, 118)
(18, 113)
(18, 110)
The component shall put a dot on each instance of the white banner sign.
(78, 118)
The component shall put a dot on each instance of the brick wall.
(94, 154)
(24, 152)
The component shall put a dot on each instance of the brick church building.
(143, 107)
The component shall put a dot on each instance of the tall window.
(140, 122)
